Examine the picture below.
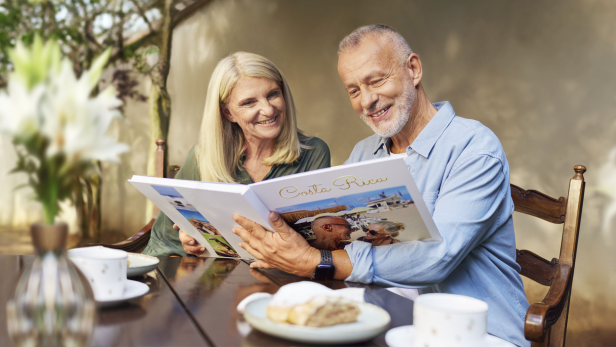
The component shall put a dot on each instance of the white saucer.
(133, 290)
(140, 264)
(371, 322)
(404, 337)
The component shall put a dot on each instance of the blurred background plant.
(57, 128)
(137, 34)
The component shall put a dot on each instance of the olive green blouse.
(164, 240)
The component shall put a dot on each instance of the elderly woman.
(248, 134)
(382, 233)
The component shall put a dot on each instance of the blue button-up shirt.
(462, 173)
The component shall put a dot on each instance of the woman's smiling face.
(257, 105)
(375, 231)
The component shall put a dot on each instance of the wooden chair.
(546, 321)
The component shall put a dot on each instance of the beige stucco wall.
(123, 206)
(540, 75)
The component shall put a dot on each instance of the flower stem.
(49, 198)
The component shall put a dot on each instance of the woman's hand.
(191, 246)
(285, 249)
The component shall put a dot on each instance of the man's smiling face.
(379, 85)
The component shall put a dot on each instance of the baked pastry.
(311, 304)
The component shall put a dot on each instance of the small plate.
(371, 322)
(140, 264)
(404, 337)
(133, 290)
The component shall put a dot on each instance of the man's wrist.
(312, 260)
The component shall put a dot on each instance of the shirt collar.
(382, 144)
(426, 140)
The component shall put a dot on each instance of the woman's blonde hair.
(221, 142)
(391, 228)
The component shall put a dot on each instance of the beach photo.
(172, 196)
(380, 217)
(197, 220)
(221, 246)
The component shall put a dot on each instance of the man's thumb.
(278, 223)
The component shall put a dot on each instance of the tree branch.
(142, 13)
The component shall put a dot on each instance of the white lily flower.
(76, 124)
(59, 129)
(19, 108)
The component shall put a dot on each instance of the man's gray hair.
(354, 39)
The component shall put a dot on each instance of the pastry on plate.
(311, 304)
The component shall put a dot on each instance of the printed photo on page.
(207, 230)
(380, 217)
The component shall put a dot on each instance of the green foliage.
(10, 18)
(35, 64)
(140, 58)
(82, 28)
(49, 183)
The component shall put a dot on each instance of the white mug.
(449, 320)
(105, 269)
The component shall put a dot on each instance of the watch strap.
(325, 270)
(326, 257)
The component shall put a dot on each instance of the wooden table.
(192, 302)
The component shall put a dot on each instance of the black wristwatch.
(325, 270)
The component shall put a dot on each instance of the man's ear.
(327, 227)
(414, 69)
(224, 110)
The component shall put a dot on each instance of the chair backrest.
(546, 321)
(159, 167)
(172, 170)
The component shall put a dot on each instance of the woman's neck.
(256, 152)
(259, 150)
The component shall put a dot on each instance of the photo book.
(373, 201)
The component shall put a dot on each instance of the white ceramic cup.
(449, 320)
(105, 269)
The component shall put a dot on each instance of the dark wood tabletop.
(192, 302)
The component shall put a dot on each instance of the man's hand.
(191, 246)
(285, 249)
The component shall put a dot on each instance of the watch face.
(324, 272)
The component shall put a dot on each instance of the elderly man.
(330, 232)
(459, 167)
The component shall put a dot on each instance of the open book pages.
(374, 201)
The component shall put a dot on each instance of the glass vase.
(53, 304)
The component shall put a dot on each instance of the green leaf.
(32, 65)
(94, 74)
(21, 186)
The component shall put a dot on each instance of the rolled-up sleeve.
(469, 208)
(361, 258)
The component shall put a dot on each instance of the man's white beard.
(393, 126)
